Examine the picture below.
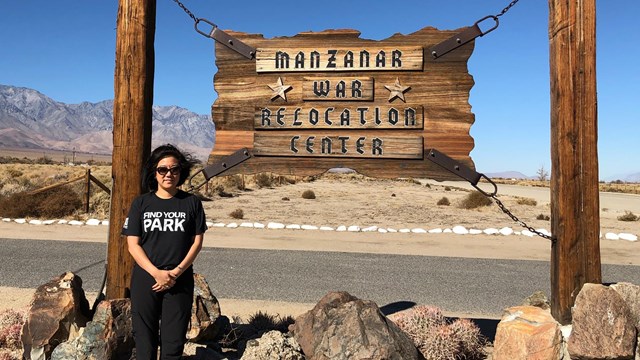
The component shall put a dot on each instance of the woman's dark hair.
(185, 160)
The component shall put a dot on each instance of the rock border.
(457, 229)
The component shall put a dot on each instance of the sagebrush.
(11, 322)
(475, 199)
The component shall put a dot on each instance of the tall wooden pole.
(575, 217)
(133, 85)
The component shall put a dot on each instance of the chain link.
(507, 8)
(520, 222)
(195, 19)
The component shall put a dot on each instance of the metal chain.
(520, 222)
(507, 8)
(195, 19)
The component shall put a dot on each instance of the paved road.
(478, 286)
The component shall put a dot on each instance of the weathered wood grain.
(441, 88)
(575, 214)
(361, 145)
(401, 117)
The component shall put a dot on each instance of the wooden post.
(133, 85)
(575, 218)
(87, 190)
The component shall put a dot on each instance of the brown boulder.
(342, 326)
(205, 313)
(107, 337)
(603, 326)
(57, 311)
(527, 332)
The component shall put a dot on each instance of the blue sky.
(66, 50)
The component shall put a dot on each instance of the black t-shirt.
(166, 226)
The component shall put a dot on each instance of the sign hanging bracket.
(219, 35)
(219, 167)
(467, 34)
(226, 39)
(463, 37)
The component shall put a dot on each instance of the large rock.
(273, 345)
(107, 337)
(206, 322)
(527, 332)
(57, 311)
(342, 326)
(630, 293)
(603, 326)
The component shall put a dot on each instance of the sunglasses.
(162, 170)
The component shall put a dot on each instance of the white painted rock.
(232, 225)
(461, 230)
(48, 222)
(392, 230)
(381, 230)
(353, 228)
(93, 222)
(62, 222)
(209, 224)
(475, 231)
(506, 231)
(527, 233)
(35, 222)
(258, 225)
(293, 227)
(628, 237)
(326, 228)
(419, 231)
(370, 228)
(611, 236)
(404, 230)
(491, 231)
(6, 219)
(309, 227)
(447, 230)
(341, 228)
(246, 225)
(435, 231)
(20, 221)
(275, 225)
(75, 223)
(219, 225)
(105, 222)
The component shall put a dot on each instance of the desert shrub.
(264, 180)
(11, 322)
(237, 214)
(308, 194)
(543, 217)
(437, 338)
(53, 203)
(14, 173)
(444, 201)
(527, 201)
(628, 216)
(236, 181)
(100, 204)
(264, 322)
(447, 188)
(475, 199)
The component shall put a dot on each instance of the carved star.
(397, 90)
(279, 90)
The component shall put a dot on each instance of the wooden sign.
(333, 58)
(323, 100)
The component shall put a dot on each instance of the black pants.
(168, 312)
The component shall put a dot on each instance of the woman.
(164, 230)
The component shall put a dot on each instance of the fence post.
(87, 190)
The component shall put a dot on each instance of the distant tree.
(542, 173)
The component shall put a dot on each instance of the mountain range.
(31, 120)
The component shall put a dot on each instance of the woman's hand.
(164, 280)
